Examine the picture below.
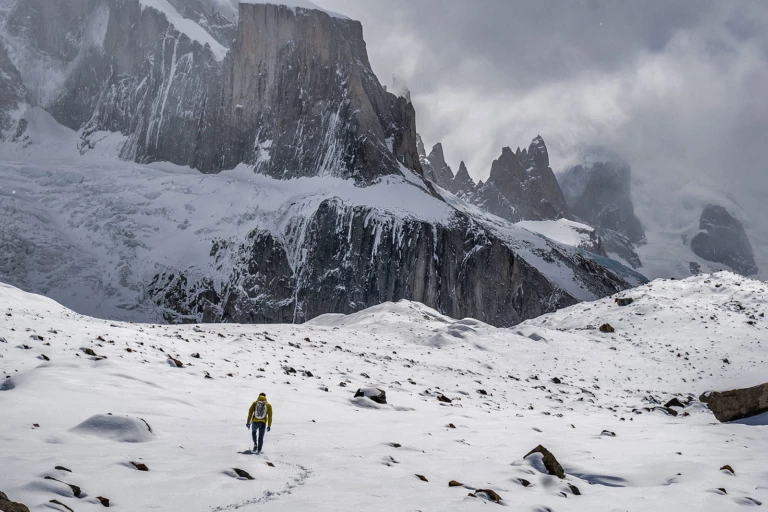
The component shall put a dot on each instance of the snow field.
(333, 452)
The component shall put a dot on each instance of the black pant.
(257, 432)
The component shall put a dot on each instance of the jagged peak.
(462, 175)
(437, 154)
(538, 152)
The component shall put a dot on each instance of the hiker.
(259, 419)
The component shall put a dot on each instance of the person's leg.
(254, 434)
(262, 429)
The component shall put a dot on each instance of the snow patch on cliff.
(187, 27)
(294, 4)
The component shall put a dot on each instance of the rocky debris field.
(394, 407)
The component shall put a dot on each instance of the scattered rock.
(422, 478)
(482, 392)
(62, 468)
(11, 506)
(674, 403)
(728, 468)
(395, 445)
(454, 483)
(737, 403)
(624, 301)
(76, 491)
(524, 482)
(444, 399)
(607, 328)
(242, 474)
(140, 466)
(196, 355)
(550, 462)
(307, 373)
(721, 489)
(575, 490)
(451, 425)
(175, 362)
(270, 464)
(44, 357)
(104, 501)
(490, 495)
(88, 351)
(555, 380)
(57, 502)
(608, 433)
(375, 394)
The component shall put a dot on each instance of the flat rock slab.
(737, 404)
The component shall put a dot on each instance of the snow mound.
(116, 428)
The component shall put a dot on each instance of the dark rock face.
(295, 95)
(11, 506)
(722, 239)
(601, 195)
(12, 97)
(737, 403)
(522, 186)
(349, 262)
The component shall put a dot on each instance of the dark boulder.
(737, 403)
(242, 473)
(7, 505)
(624, 301)
(377, 395)
(550, 462)
(607, 328)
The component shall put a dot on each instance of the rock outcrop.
(722, 239)
(13, 97)
(601, 195)
(737, 403)
(294, 95)
(522, 186)
(7, 505)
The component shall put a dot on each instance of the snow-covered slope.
(64, 406)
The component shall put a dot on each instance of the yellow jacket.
(267, 420)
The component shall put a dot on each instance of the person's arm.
(269, 414)
(250, 413)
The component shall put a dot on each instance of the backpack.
(260, 412)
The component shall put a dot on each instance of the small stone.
(721, 489)
(62, 468)
(575, 490)
(395, 445)
(451, 425)
(624, 301)
(674, 403)
(454, 483)
(375, 394)
(555, 380)
(482, 392)
(524, 482)
(444, 399)
(608, 328)
(242, 474)
(608, 433)
(270, 464)
(104, 501)
(728, 468)
(140, 466)
(422, 478)
(44, 357)
(175, 362)
(196, 355)
(89, 352)
(490, 493)
(57, 502)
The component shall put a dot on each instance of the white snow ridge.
(99, 413)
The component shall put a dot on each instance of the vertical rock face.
(601, 195)
(355, 257)
(522, 186)
(722, 239)
(13, 96)
(294, 96)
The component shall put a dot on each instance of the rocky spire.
(441, 171)
(462, 182)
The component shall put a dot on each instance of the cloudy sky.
(676, 87)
